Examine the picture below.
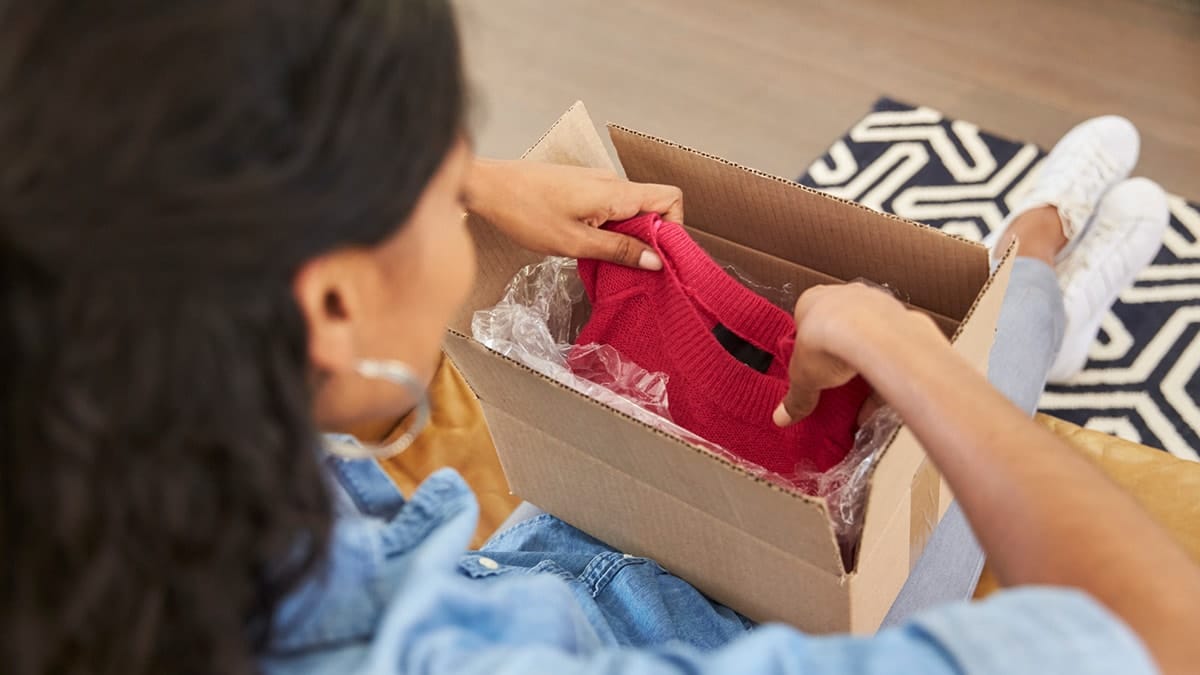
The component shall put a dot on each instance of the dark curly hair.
(166, 166)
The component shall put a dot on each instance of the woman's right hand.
(1042, 511)
(846, 330)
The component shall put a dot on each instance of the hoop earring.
(399, 374)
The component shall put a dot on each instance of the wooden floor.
(770, 83)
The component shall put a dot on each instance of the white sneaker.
(1122, 240)
(1085, 163)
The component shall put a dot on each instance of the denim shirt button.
(489, 563)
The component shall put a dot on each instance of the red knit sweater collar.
(744, 392)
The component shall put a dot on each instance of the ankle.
(1039, 233)
(1036, 251)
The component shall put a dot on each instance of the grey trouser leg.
(1028, 335)
(523, 512)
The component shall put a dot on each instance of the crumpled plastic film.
(534, 324)
(783, 297)
(844, 485)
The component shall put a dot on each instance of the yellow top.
(456, 437)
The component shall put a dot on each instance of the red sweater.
(676, 321)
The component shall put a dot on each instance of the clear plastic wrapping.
(844, 485)
(544, 309)
(783, 297)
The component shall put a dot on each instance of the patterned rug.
(1142, 380)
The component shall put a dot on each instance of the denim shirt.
(400, 594)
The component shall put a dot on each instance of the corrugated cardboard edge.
(791, 184)
(999, 280)
(942, 273)
(577, 120)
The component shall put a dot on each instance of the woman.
(228, 225)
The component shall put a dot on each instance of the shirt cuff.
(1043, 630)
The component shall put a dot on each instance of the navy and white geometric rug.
(1142, 380)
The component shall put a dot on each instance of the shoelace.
(1077, 188)
(1090, 256)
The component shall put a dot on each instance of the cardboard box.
(763, 550)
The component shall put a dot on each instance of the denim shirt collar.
(378, 541)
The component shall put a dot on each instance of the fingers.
(617, 248)
(810, 372)
(635, 198)
(811, 369)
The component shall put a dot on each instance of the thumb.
(618, 248)
(810, 372)
(796, 405)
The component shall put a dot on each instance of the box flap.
(977, 332)
(792, 522)
(572, 140)
(778, 216)
(777, 273)
(744, 572)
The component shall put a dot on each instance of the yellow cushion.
(1167, 487)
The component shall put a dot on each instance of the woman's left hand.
(558, 210)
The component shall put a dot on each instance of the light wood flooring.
(770, 83)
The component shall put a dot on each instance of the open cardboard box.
(767, 552)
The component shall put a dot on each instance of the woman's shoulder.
(379, 540)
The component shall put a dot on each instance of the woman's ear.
(325, 291)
